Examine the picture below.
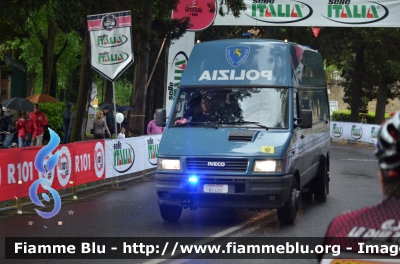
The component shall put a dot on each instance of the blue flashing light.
(193, 179)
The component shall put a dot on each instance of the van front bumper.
(238, 192)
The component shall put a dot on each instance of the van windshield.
(250, 107)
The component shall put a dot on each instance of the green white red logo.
(337, 130)
(178, 67)
(109, 58)
(359, 13)
(152, 150)
(356, 132)
(106, 41)
(271, 11)
(124, 156)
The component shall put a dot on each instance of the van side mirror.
(306, 119)
(161, 117)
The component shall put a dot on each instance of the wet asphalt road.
(133, 212)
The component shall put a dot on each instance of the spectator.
(7, 128)
(363, 119)
(100, 126)
(26, 130)
(71, 122)
(66, 120)
(41, 121)
(152, 128)
(110, 119)
(378, 222)
(122, 133)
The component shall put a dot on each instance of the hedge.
(344, 116)
(53, 112)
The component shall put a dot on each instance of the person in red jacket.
(41, 121)
(26, 130)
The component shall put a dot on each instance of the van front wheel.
(287, 213)
(321, 184)
(170, 213)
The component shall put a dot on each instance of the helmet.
(388, 152)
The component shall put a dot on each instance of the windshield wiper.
(185, 122)
(243, 122)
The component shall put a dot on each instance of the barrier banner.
(89, 161)
(124, 156)
(151, 145)
(18, 172)
(355, 131)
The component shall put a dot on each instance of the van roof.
(256, 62)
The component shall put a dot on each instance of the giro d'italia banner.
(178, 57)
(111, 43)
(316, 13)
(355, 131)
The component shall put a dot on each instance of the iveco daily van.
(249, 128)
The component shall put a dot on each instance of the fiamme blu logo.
(356, 132)
(274, 11)
(343, 11)
(152, 150)
(124, 157)
(337, 130)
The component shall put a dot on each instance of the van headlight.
(267, 166)
(169, 164)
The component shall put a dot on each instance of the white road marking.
(217, 235)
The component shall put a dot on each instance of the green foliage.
(53, 113)
(344, 116)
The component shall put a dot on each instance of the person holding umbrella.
(41, 121)
(7, 129)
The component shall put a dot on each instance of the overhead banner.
(111, 43)
(178, 57)
(316, 13)
(201, 13)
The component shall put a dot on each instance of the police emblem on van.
(236, 55)
(215, 164)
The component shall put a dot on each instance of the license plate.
(215, 188)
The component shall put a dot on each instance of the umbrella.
(123, 108)
(110, 106)
(18, 103)
(41, 98)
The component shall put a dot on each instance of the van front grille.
(204, 164)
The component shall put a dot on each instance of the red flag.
(316, 31)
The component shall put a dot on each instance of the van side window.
(315, 100)
(296, 107)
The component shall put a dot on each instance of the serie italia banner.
(355, 131)
(316, 13)
(111, 43)
(178, 57)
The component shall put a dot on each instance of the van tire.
(287, 213)
(170, 213)
(321, 183)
